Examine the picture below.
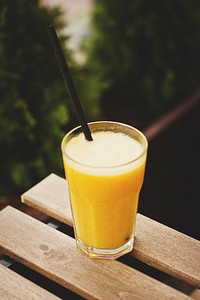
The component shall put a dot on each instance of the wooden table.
(53, 254)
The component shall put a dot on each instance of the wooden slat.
(55, 255)
(167, 250)
(50, 196)
(14, 286)
(157, 245)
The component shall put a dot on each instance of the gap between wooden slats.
(55, 255)
(156, 244)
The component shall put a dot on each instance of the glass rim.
(105, 167)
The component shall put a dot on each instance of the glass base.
(110, 254)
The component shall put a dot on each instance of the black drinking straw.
(68, 80)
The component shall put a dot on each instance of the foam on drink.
(108, 149)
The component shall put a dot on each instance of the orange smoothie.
(105, 177)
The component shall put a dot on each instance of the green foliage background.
(144, 56)
(142, 59)
(35, 110)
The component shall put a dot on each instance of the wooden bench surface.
(14, 286)
(55, 255)
(157, 245)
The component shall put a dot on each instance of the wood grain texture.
(14, 286)
(157, 245)
(167, 250)
(50, 196)
(55, 255)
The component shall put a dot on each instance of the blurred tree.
(34, 110)
(143, 56)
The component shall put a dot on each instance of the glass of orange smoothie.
(105, 177)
